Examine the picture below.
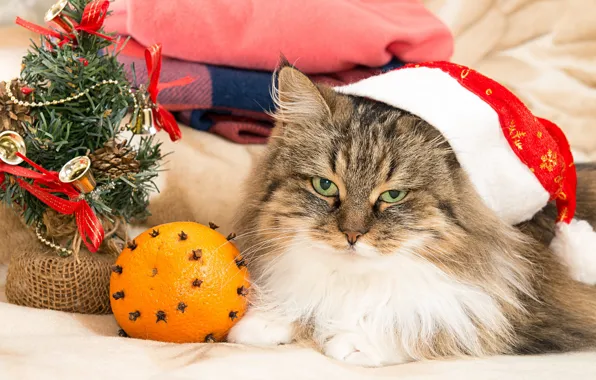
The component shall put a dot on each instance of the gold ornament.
(11, 143)
(144, 123)
(54, 14)
(78, 172)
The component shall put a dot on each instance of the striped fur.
(436, 275)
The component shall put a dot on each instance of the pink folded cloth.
(318, 36)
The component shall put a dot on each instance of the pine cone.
(13, 116)
(114, 160)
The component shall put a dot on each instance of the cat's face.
(354, 176)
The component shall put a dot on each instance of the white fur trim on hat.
(575, 245)
(473, 130)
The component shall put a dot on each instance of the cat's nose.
(352, 236)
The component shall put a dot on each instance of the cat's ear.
(297, 98)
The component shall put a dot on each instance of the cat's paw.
(258, 329)
(352, 348)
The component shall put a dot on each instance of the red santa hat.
(516, 161)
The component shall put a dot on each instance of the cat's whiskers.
(290, 234)
(270, 230)
(266, 245)
(247, 254)
(277, 247)
(254, 232)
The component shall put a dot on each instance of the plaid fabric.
(227, 101)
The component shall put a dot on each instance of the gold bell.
(78, 172)
(12, 143)
(144, 124)
(54, 14)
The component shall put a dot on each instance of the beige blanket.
(545, 51)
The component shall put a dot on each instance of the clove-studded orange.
(179, 282)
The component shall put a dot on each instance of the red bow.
(165, 120)
(92, 20)
(93, 16)
(89, 226)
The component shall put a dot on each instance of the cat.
(363, 234)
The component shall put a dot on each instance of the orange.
(179, 282)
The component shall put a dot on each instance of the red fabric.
(241, 130)
(538, 143)
(45, 183)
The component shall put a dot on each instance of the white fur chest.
(398, 300)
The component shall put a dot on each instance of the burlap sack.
(38, 277)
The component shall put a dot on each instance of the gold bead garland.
(134, 98)
(59, 101)
(69, 98)
(61, 250)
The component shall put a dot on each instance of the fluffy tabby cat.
(362, 231)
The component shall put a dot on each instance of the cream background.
(32, 10)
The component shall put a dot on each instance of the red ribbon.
(164, 119)
(94, 15)
(47, 182)
(92, 20)
(49, 33)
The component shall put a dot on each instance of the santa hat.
(516, 161)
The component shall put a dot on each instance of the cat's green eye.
(324, 187)
(393, 196)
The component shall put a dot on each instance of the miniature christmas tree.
(65, 166)
(69, 102)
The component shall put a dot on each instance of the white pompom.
(575, 245)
